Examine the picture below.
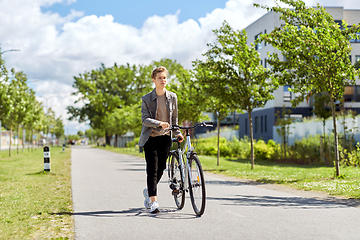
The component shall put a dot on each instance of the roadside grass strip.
(304, 177)
(35, 204)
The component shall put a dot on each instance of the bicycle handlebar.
(202, 124)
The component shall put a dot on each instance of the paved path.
(108, 204)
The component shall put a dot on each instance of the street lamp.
(10, 50)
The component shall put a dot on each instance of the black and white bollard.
(64, 147)
(46, 159)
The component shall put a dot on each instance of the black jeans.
(157, 150)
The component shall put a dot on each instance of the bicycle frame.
(185, 172)
(188, 149)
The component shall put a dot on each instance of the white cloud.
(55, 48)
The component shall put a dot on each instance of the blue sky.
(136, 12)
(60, 39)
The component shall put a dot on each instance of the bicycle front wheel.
(176, 181)
(196, 185)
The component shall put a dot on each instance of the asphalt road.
(108, 204)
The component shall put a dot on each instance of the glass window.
(350, 58)
(355, 40)
(261, 123)
(349, 94)
(256, 124)
(357, 98)
(287, 93)
(246, 126)
(265, 124)
(340, 23)
(259, 45)
(265, 33)
(357, 61)
(265, 63)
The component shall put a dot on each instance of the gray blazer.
(148, 114)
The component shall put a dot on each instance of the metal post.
(64, 147)
(46, 159)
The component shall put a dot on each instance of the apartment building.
(264, 118)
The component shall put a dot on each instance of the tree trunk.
(107, 139)
(18, 134)
(116, 141)
(337, 165)
(32, 140)
(218, 141)
(29, 140)
(23, 138)
(284, 142)
(251, 142)
(10, 140)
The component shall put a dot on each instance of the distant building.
(264, 118)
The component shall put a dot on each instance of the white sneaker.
(154, 207)
(147, 200)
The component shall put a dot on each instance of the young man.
(159, 111)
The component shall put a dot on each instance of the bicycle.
(187, 175)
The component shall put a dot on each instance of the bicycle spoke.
(197, 186)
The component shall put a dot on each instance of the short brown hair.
(158, 70)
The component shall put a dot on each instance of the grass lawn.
(35, 204)
(316, 178)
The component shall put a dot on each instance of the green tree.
(58, 129)
(316, 50)
(33, 115)
(283, 121)
(106, 89)
(210, 80)
(191, 103)
(94, 134)
(50, 121)
(322, 108)
(244, 82)
(15, 101)
(80, 134)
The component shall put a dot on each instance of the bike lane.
(108, 204)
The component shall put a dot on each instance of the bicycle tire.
(176, 177)
(197, 185)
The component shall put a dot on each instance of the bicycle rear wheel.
(176, 181)
(197, 185)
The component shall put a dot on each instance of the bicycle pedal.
(175, 192)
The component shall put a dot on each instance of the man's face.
(160, 80)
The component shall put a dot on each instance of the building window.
(265, 124)
(349, 94)
(265, 33)
(246, 126)
(256, 124)
(357, 62)
(261, 63)
(355, 40)
(357, 97)
(259, 45)
(265, 63)
(261, 123)
(287, 93)
(340, 23)
(350, 58)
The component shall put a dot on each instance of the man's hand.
(164, 125)
(181, 138)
